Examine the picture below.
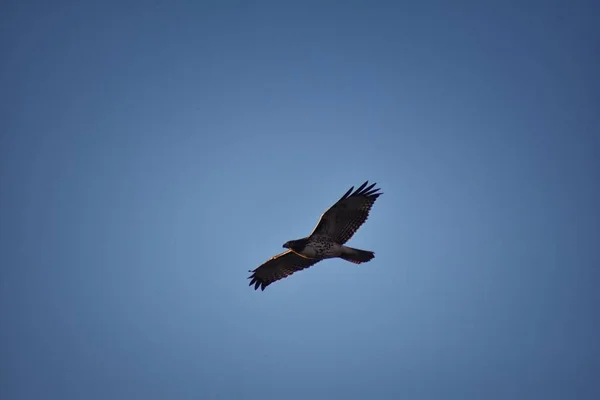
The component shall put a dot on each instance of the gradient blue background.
(151, 154)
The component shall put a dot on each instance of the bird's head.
(296, 245)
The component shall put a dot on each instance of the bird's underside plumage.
(336, 226)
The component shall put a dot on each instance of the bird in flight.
(335, 227)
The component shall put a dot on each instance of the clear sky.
(151, 154)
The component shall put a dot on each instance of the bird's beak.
(286, 246)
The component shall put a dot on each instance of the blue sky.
(151, 154)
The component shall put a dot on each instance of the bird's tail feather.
(356, 256)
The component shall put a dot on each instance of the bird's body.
(335, 227)
(316, 247)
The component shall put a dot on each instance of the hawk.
(335, 227)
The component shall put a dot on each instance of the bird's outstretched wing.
(342, 220)
(279, 267)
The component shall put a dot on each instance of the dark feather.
(342, 220)
(278, 267)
